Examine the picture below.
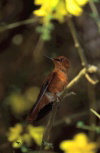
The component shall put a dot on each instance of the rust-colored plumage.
(52, 86)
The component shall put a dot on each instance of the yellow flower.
(36, 133)
(73, 8)
(47, 7)
(59, 8)
(20, 103)
(79, 144)
(81, 2)
(27, 138)
(62, 11)
(20, 135)
(17, 103)
(18, 143)
(15, 132)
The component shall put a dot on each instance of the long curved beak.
(48, 57)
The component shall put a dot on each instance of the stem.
(38, 51)
(77, 43)
(92, 104)
(95, 113)
(46, 136)
(95, 12)
(17, 24)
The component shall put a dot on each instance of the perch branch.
(95, 113)
(83, 72)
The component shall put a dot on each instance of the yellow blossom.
(62, 11)
(20, 103)
(17, 103)
(79, 144)
(73, 8)
(46, 7)
(36, 133)
(27, 138)
(19, 135)
(81, 2)
(14, 132)
(18, 143)
(58, 8)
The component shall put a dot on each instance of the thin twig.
(17, 24)
(87, 69)
(71, 119)
(37, 52)
(95, 113)
(92, 128)
(90, 80)
(95, 13)
(80, 50)
(92, 104)
(77, 78)
(76, 41)
(82, 73)
(46, 136)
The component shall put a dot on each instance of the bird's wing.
(46, 83)
(44, 87)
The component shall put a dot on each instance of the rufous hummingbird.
(52, 86)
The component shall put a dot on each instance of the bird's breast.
(58, 83)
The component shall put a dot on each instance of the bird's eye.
(58, 60)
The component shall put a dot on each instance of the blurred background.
(23, 68)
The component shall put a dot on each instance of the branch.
(95, 13)
(92, 128)
(80, 51)
(46, 135)
(92, 104)
(38, 51)
(76, 41)
(83, 72)
(95, 113)
(71, 119)
(17, 24)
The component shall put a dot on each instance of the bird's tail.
(37, 108)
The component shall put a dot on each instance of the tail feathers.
(36, 109)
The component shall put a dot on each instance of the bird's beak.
(48, 57)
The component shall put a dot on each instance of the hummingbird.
(52, 86)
